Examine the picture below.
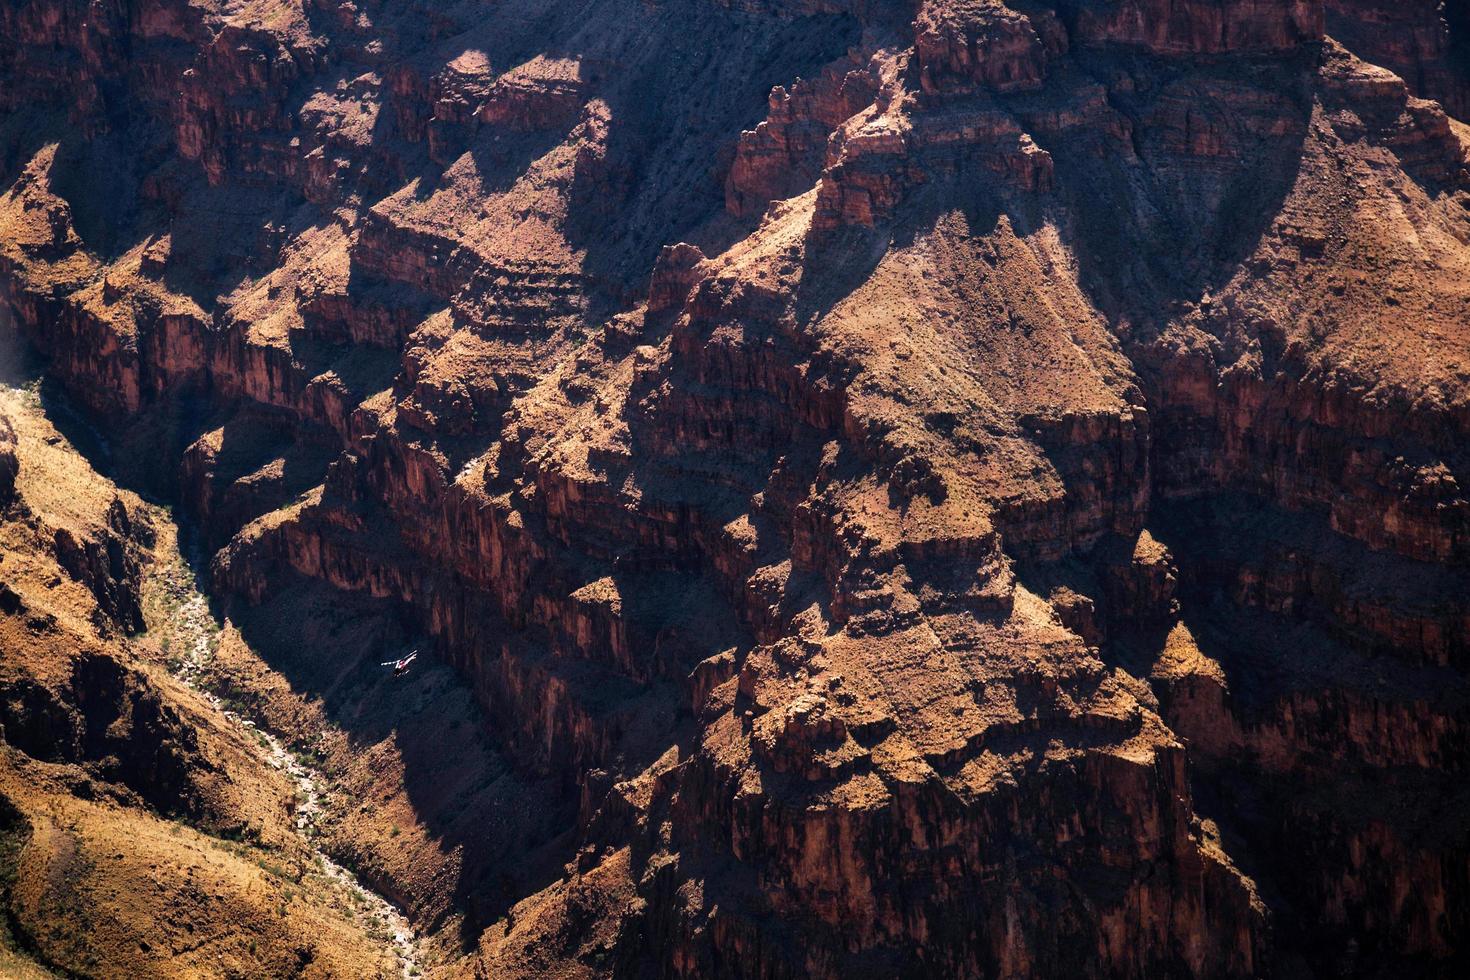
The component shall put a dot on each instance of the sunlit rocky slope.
(880, 488)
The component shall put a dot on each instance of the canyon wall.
(958, 487)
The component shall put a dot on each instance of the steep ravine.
(180, 616)
(142, 820)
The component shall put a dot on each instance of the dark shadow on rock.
(508, 831)
(656, 183)
(1162, 223)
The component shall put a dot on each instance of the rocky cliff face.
(962, 487)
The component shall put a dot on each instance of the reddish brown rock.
(677, 271)
(1421, 41)
(1195, 27)
(986, 44)
(784, 155)
(978, 496)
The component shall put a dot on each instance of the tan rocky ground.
(143, 834)
(878, 488)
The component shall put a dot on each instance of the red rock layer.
(938, 496)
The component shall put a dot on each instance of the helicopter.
(400, 666)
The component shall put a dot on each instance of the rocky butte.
(878, 488)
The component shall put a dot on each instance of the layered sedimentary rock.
(1422, 42)
(967, 487)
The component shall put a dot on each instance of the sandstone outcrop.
(984, 44)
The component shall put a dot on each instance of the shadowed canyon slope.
(879, 487)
